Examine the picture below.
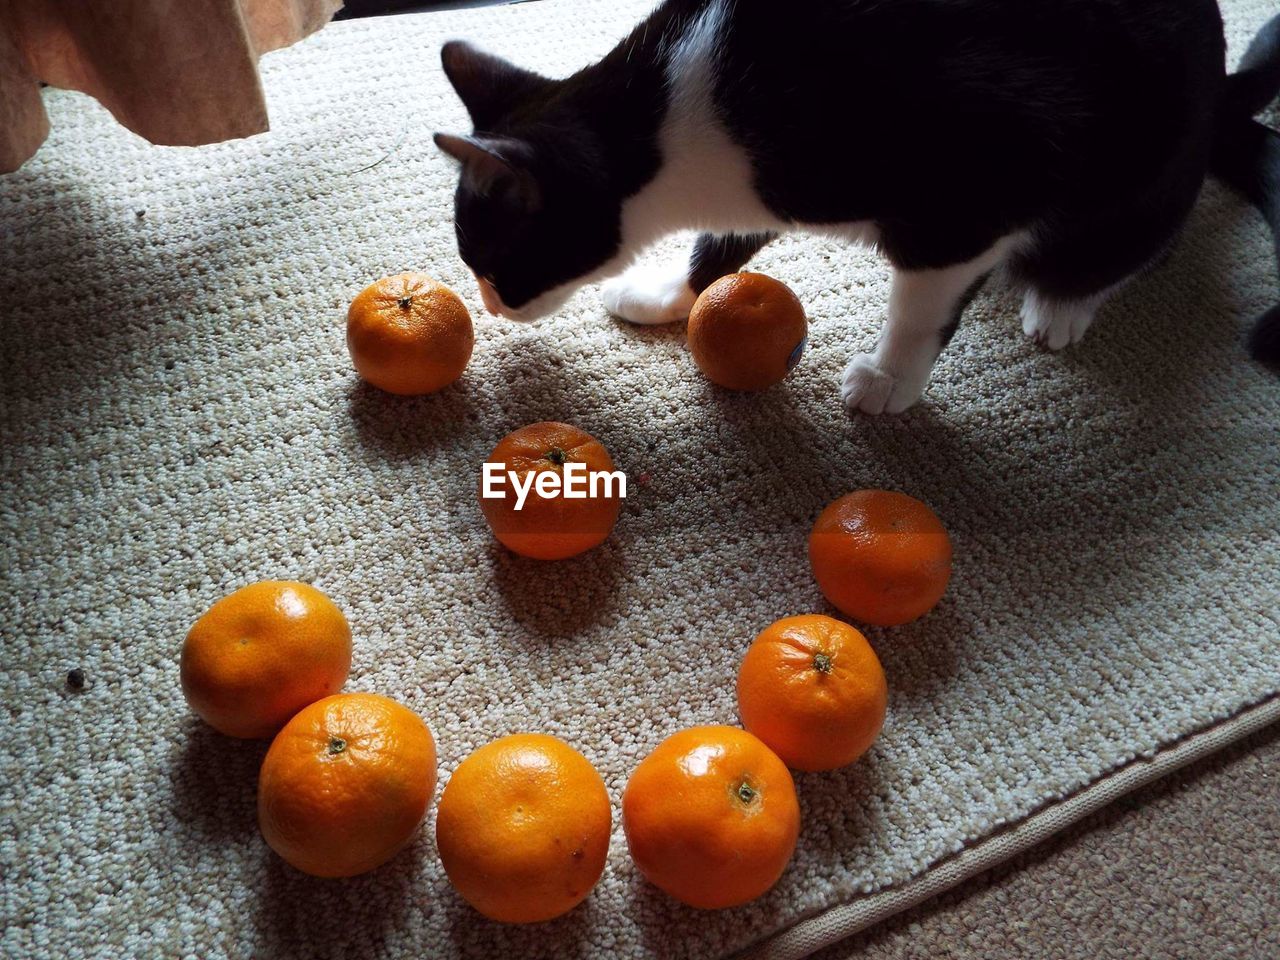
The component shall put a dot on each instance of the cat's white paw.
(650, 293)
(1055, 323)
(869, 389)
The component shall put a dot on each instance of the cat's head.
(534, 213)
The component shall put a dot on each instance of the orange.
(346, 784)
(711, 816)
(880, 557)
(261, 654)
(408, 334)
(523, 828)
(812, 689)
(551, 527)
(746, 331)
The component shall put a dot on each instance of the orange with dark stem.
(346, 784)
(408, 334)
(812, 689)
(550, 527)
(711, 816)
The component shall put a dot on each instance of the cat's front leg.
(650, 293)
(924, 311)
(664, 293)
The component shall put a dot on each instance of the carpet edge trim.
(836, 923)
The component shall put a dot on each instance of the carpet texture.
(180, 418)
(1186, 867)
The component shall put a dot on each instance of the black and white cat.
(1063, 141)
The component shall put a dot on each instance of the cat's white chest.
(706, 181)
(864, 232)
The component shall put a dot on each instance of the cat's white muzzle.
(489, 296)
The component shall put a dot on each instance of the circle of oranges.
(523, 827)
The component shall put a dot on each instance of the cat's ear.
(489, 167)
(487, 85)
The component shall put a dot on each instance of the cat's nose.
(492, 302)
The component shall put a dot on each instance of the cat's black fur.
(951, 124)
(1090, 124)
(589, 142)
(1247, 156)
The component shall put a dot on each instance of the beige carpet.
(1186, 867)
(180, 417)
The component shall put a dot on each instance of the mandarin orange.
(747, 331)
(261, 654)
(550, 527)
(880, 557)
(813, 690)
(711, 816)
(408, 334)
(346, 784)
(523, 828)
